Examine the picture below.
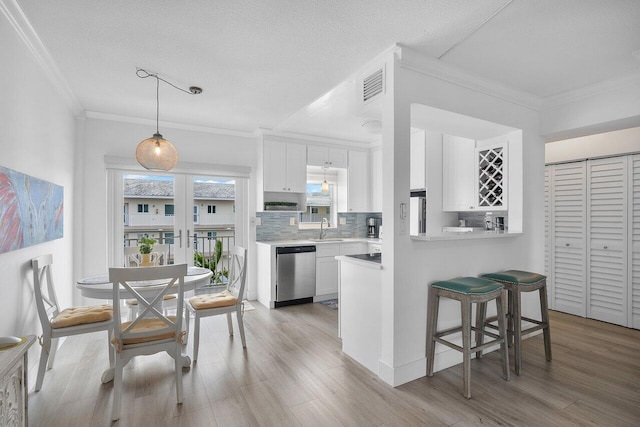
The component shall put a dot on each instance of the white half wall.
(409, 266)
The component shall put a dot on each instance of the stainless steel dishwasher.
(295, 275)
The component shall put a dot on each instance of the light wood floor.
(293, 373)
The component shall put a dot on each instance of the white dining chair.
(152, 331)
(161, 257)
(131, 256)
(226, 302)
(55, 323)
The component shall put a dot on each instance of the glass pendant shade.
(325, 186)
(157, 154)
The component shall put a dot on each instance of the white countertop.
(304, 242)
(480, 234)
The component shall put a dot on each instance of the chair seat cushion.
(516, 277)
(82, 315)
(134, 301)
(468, 285)
(223, 299)
(148, 325)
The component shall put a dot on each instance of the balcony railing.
(204, 248)
(150, 220)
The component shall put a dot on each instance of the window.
(196, 214)
(319, 204)
(143, 208)
(168, 238)
(211, 209)
(212, 234)
(168, 209)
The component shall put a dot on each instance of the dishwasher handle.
(294, 249)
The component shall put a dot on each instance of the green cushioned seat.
(517, 277)
(468, 285)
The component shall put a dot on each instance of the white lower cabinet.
(592, 225)
(327, 268)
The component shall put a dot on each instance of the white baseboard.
(398, 375)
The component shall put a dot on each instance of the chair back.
(131, 256)
(46, 300)
(237, 272)
(162, 252)
(152, 285)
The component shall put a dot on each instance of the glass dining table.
(99, 287)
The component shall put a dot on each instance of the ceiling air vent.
(373, 85)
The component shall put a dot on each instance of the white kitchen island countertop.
(481, 234)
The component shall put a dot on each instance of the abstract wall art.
(31, 210)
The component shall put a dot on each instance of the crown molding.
(414, 61)
(590, 91)
(30, 38)
(301, 137)
(138, 120)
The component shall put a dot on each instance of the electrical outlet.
(258, 221)
(343, 220)
(292, 220)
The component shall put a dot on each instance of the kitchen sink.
(326, 240)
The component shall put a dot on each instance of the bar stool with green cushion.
(467, 290)
(516, 282)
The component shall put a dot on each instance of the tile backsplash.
(276, 226)
(476, 219)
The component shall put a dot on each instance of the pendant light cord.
(143, 74)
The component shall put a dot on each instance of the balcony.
(152, 220)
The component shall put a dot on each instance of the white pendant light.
(157, 153)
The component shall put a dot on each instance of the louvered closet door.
(548, 170)
(634, 271)
(607, 231)
(569, 238)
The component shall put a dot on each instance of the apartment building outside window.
(211, 209)
(169, 209)
(143, 208)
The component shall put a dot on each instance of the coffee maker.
(373, 226)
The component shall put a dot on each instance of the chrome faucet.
(323, 233)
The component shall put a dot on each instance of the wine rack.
(491, 182)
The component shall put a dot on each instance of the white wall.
(409, 265)
(99, 138)
(603, 144)
(36, 138)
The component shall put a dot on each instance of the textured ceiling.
(261, 62)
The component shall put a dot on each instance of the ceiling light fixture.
(157, 153)
(325, 184)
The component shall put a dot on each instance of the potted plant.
(145, 246)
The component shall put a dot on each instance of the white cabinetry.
(353, 248)
(418, 160)
(327, 268)
(285, 167)
(458, 173)
(326, 156)
(474, 174)
(358, 182)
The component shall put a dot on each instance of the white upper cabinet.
(358, 182)
(285, 167)
(326, 156)
(474, 174)
(418, 160)
(458, 173)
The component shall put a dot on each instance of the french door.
(191, 216)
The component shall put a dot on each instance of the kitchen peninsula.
(359, 316)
